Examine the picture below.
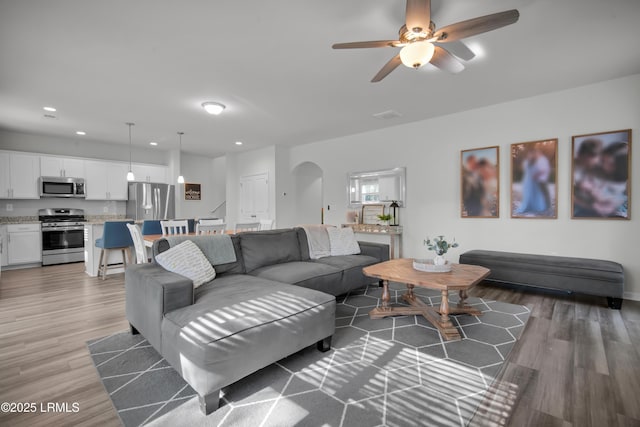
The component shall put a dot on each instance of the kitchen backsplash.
(29, 208)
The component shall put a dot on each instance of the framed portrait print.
(601, 175)
(534, 179)
(192, 191)
(480, 183)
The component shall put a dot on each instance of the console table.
(394, 234)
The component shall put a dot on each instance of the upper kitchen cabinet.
(150, 173)
(61, 166)
(105, 180)
(19, 175)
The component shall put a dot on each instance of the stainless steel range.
(62, 235)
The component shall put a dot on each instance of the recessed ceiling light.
(81, 132)
(153, 143)
(238, 142)
(51, 109)
(214, 108)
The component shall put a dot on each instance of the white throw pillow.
(187, 260)
(343, 241)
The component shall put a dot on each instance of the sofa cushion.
(307, 274)
(269, 247)
(187, 260)
(346, 262)
(234, 303)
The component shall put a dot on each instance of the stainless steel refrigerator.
(149, 200)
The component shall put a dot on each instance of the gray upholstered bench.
(580, 275)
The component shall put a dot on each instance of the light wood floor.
(577, 364)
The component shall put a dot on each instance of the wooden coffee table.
(462, 277)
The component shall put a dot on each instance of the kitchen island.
(93, 229)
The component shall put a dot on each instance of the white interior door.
(254, 197)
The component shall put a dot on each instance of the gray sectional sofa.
(271, 302)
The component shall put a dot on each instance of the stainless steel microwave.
(56, 186)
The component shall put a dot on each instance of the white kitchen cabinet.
(24, 244)
(61, 166)
(3, 246)
(19, 176)
(105, 180)
(150, 173)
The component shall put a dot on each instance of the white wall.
(431, 152)
(210, 173)
(245, 164)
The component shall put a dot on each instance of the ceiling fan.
(420, 41)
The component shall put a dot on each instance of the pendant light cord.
(180, 177)
(130, 124)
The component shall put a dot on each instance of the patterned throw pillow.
(187, 260)
(343, 241)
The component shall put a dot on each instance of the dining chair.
(115, 236)
(210, 228)
(266, 224)
(247, 226)
(206, 221)
(138, 244)
(174, 227)
(151, 226)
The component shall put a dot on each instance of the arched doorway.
(307, 179)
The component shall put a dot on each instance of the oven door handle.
(64, 228)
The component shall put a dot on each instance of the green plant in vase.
(440, 246)
(385, 218)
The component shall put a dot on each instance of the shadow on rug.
(393, 372)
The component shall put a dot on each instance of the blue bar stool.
(116, 236)
(151, 226)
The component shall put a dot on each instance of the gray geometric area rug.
(394, 372)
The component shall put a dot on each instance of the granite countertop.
(19, 220)
(100, 219)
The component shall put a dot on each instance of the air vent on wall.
(389, 114)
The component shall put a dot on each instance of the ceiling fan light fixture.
(214, 108)
(416, 54)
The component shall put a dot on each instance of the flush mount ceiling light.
(153, 143)
(50, 109)
(214, 108)
(130, 175)
(238, 142)
(81, 132)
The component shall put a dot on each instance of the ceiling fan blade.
(361, 45)
(445, 61)
(388, 67)
(461, 50)
(418, 15)
(475, 26)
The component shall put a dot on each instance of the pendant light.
(130, 175)
(180, 177)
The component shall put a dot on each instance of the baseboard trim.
(633, 296)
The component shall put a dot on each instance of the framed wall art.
(192, 191)
(534, 179)
(480, 183)
(601, 175)
(370, 213)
